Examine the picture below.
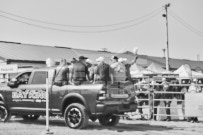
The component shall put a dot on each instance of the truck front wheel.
(4, 114)
(76, 116)
(109, 120)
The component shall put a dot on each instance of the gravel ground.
(16, 126)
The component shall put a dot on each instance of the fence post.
(153, 105)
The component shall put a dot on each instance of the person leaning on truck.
(79, 72)
(62, 73)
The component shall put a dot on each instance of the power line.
(63, 30)
(185, 24)
(88, 26)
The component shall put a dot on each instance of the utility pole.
(167, 43)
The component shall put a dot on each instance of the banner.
(194, 104)
(4, 69)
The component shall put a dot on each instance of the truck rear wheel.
(109, 120)
(76, 116)
(30, 117)
(4, 114)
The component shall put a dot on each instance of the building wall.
(29, 64)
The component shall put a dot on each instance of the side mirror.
(13, 83)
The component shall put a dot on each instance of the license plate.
(119, 95)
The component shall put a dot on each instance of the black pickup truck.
(25, 96)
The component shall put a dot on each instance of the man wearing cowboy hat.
(79, 71)
(103, 72)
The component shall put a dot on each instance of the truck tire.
(76, 116)
(30, 117)
(109, 120)
(4, 114)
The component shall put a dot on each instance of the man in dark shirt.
(79, 73)
(103, 72)
(62, 73)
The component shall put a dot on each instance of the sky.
(117, 25)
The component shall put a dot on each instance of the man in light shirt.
(193, 89)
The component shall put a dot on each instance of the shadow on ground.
(121, 127)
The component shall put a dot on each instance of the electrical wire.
(88, 26)
(185, 24)
(74, 31)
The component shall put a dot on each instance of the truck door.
(16, 93)
(31, 96)
(36, 90)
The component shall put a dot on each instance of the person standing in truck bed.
(62, 74)
(79, 72)
(91, 69)
(103, 72)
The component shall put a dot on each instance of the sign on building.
(4, 69)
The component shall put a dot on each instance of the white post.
(50, 63)
(47, 107)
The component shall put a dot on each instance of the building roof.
(29, 52)
(176, 63)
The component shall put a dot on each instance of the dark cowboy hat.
(73, 60)
(114, 57)
(82, 58)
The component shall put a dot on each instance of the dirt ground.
(17, 126)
